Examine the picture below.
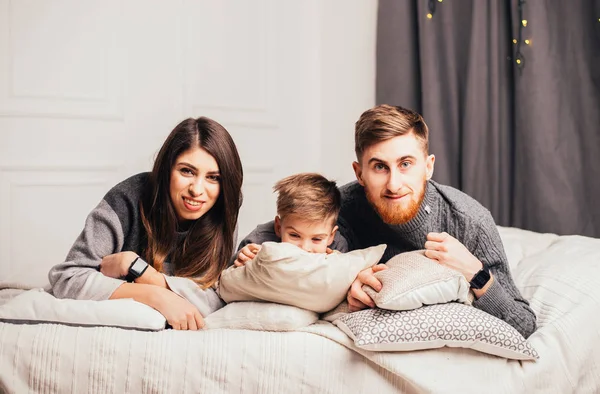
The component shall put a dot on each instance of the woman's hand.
(247, 253)
(179, 312)
(117, 265)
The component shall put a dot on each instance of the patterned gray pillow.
(434, 326)
(413, 280)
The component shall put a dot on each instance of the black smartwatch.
(481, 278)
(136, 269)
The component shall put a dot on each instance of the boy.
(308, 205)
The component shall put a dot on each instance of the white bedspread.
(559, 275)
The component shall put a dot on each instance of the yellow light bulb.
(429, 16)
(514, 40)
(440, 1)
(518, 61)
(527, 42)
(524, 22)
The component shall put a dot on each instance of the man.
(396, 202)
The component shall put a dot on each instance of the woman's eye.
(186, 171)
(214, 178)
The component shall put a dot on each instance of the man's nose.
(395, 181)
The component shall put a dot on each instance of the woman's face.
(195, 184)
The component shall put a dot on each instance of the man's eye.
(379, 167)
(405, 164)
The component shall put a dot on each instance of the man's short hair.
(384, 122)
(309, 195)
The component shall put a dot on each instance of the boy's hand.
(247, 253)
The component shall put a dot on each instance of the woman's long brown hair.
(208, 245)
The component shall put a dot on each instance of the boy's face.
(313, 236)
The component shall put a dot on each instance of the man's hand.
(357, 298)
(448, 251)
(117, 265)
(247, 253)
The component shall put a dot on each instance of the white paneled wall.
(89, 91)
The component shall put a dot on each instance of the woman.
(180, 219)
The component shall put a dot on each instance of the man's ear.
(278, 226)
(358, 172)
(332, 236)
(429, 164)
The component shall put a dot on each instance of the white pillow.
(261, 316)
(451, 324)
(413, 280)
(286, 274)
(36, 306)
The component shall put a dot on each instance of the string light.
(431, 7)
(519, 57)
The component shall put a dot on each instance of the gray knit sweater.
(115, 225)
(444, 209)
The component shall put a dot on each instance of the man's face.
(394, 174)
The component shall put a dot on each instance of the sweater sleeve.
(206, 300)
(502, 299)
(78, 277)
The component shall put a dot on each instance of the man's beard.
(392, 213)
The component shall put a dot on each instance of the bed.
(558, 274)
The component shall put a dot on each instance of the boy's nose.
(306, 246)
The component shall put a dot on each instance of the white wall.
(89, 91)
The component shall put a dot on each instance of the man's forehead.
(394, 149)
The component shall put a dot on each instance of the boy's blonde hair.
(309, 195)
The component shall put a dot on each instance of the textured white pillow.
(413, 280)
(36, 306)
(286, 274)
(261, 316)
(435, 326)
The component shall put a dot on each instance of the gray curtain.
(523, 142)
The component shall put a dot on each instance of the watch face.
(138, 267)
(480, 279)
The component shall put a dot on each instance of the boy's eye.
(317, 239)
(294, 235)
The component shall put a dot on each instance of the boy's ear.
(278, 226)
(332, 236)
